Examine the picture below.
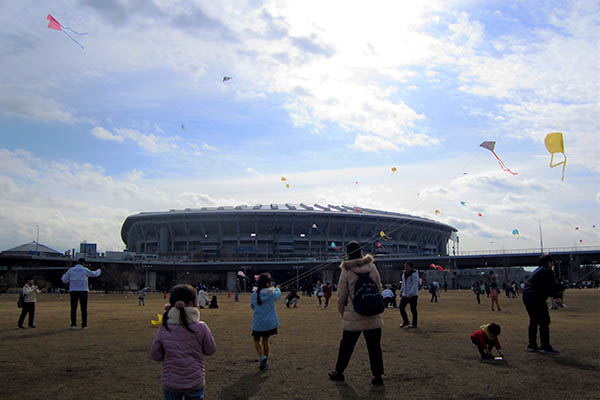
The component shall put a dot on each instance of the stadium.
(280, 232)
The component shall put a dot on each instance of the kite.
(437, 212)
(333, 245)
(378, 244)
(356, 210)
(580, 241)
(283, 179)
(593, 226)
(394, 169)
(157, 322)
(316, 228)
(226, 78)
(515, 232)
(490, 146)
(438, 267)
(287, 185)
(57, 26)
(356, 182)
(241, 274)
(182, 127)
(464, 203)
(479, 214)
(384, 236)
(576, 228)
(555, 144)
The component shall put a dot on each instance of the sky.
(330, 95)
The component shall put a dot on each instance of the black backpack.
(368, 301)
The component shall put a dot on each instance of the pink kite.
(57, 26)
(490, 146)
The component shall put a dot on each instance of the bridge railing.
(531, 251)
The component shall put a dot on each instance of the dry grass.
(110, 359)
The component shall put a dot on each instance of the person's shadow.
(347, 392)
(244, 387)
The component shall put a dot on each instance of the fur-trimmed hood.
(192, 314)
(359, 265)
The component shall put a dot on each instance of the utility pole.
(541, 240)
(37, 240)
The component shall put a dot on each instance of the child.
(213, 303)
(142, 295)
(292, 299)
(265, 321)
(494, 294)
(486, 338)
(29, 291)
(181, 344)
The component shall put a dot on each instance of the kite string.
(69, 36)
(324, 265)
(77, 33)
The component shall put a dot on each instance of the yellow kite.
(555, 144)
(155, 322)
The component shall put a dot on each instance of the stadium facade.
(279, 232)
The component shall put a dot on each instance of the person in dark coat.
(538, 288)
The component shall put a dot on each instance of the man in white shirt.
(410, 294)
(77, 278)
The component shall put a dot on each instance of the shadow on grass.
(31, 333)
(346, 391)
(244, 387)
(573, 363)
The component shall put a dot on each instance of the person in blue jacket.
(265, 321)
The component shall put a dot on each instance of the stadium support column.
(231, 281)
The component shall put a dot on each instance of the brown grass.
(110, 359)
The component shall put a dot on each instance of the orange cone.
(228, 294)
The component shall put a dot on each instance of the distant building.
(33, 249)
(88, 249)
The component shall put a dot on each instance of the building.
(88, 249)
(275, 231)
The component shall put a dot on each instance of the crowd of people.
(183, 341)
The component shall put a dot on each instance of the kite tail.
(563, 162)
(72, 31)
(503, 166)
(79, 44)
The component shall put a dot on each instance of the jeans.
(82, 298)
(484, 355)
(196, 394)
(28, 308)
(433, 297)
(349, 339)
(413, 309)
(538, 317)
(326, 301)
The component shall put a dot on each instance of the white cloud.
(34, 106)
(149, 142)
(205, 146)
(103, 134)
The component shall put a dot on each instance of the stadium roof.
(290, 208)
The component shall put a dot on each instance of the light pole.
(37, 239)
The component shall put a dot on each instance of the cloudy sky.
(325, 93)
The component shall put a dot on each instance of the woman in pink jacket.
(181, 344)
(354, 323)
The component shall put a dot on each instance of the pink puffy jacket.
(182, 352)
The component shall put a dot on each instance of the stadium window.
(253, 234)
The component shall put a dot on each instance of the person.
(213, 303)
(327, 293)
(445, 286)
(353, 323)
(388, 297)
(181, 343)
(477, 291)
(142, 295)
(29, 292)
(409, 293)
(319, 291)
(494, 294)
(433, 290)
(202, 298)
(77, 278)
(292, 299)
(486, 338)
(540, 285)
(264, 320)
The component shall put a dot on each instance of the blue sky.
(325, 94)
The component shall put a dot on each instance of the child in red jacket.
(486, 338)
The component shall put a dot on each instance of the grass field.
(110, 360)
